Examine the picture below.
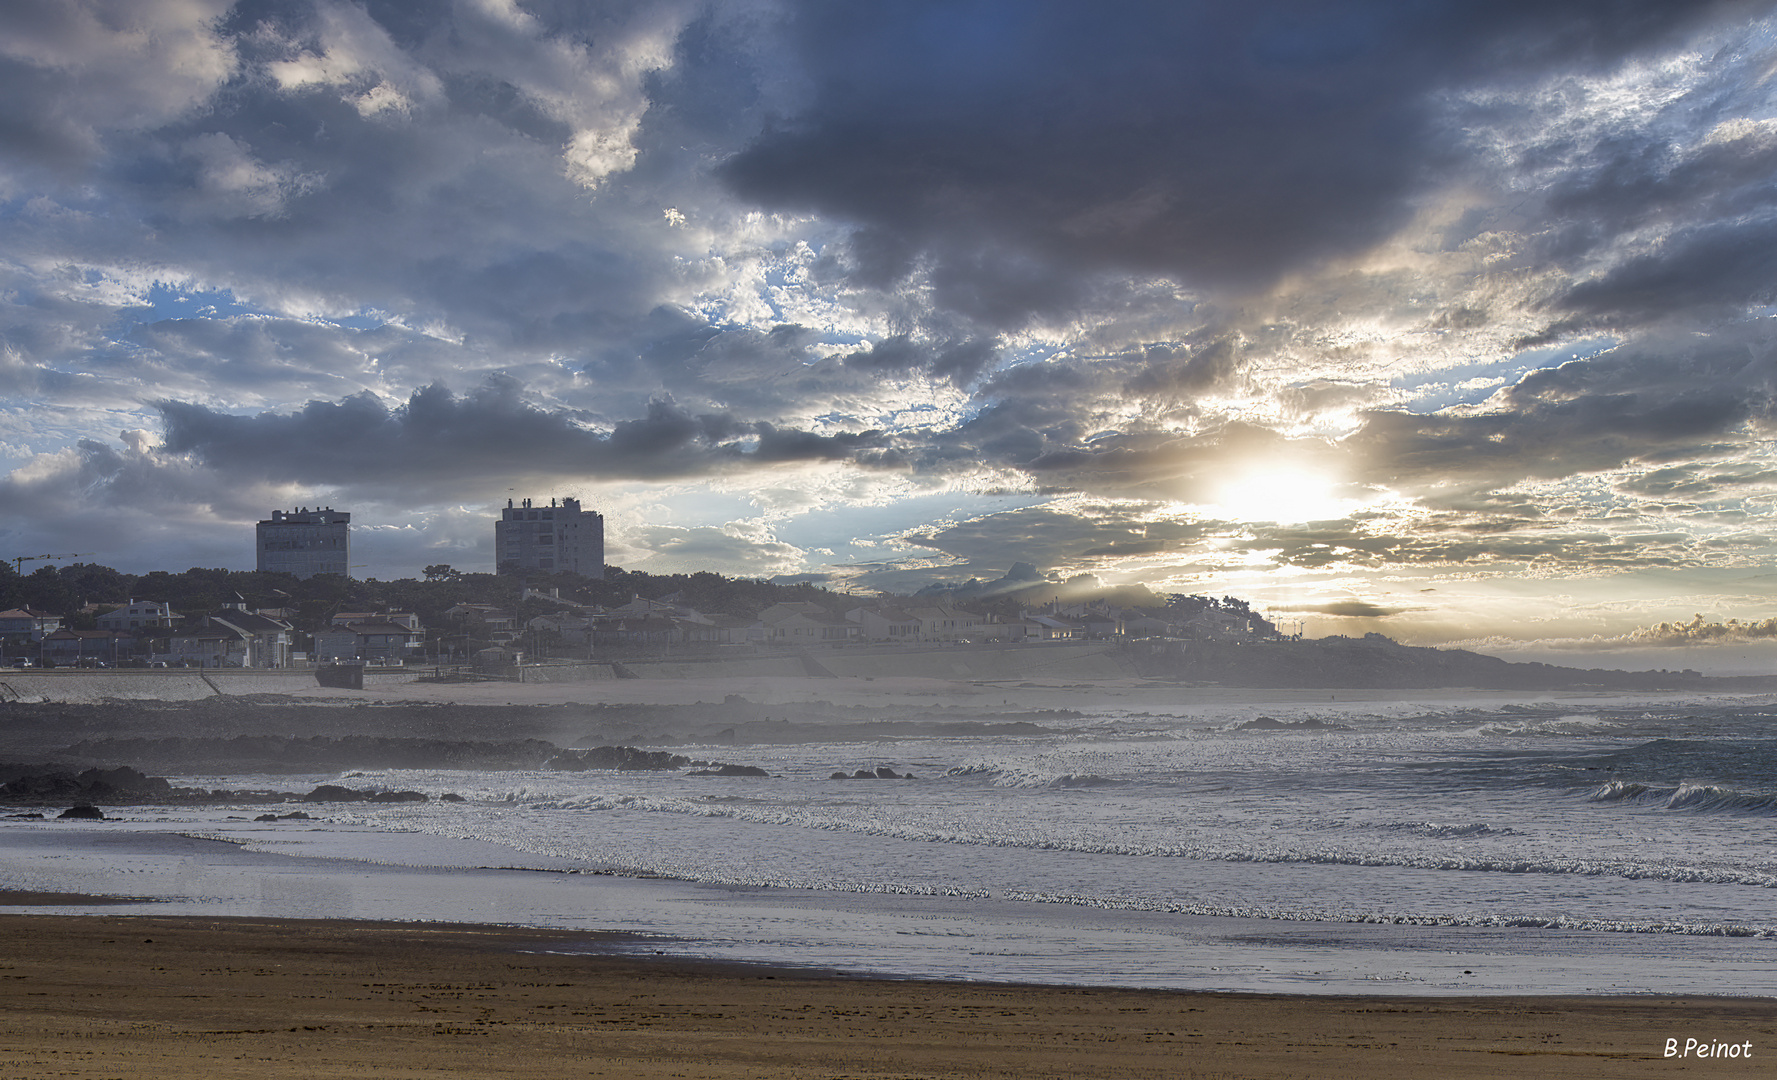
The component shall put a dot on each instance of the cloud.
(1698, 631)
(734, 550)
(1347, 609)
(74, 70)
(1018, 149)
(438, 439)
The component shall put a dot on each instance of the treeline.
(75, 590)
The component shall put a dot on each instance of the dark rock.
(863, 774)
(839, 776)
(294, 815)
(626, 758)
(1266, 723)
(883, 772)
(119, 785)
(334, 793)
(450, 796)
(731, 770)
(396, 797)
(123, 782)
(83, 813)
(278, 753)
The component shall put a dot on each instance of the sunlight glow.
(1286, 495)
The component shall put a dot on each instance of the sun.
(1285, 495)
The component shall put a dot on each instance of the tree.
(442, 572)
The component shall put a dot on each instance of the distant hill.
(1378, 663)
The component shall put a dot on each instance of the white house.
(29, 621)
(802, 623)
(884, 623)
(140, 615)
(940, 622)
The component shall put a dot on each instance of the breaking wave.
(1700, 798)
(1539, 922)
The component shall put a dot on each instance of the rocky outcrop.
(881, 772)
(119, 785)
(281, 754)
(336, 793)
(626, 758)
(731, 770)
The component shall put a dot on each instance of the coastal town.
(553, 600)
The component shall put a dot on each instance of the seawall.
(174, 684)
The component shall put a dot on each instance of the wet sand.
(104, 996)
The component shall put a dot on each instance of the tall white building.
(550, 539)
(305, 542)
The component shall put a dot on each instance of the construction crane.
(19, 561)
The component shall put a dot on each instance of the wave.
(917, 828)
(1007, 777)
(1438, 831)
(1700, 798)
(1539, 922)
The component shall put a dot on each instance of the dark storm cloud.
(1716, 270)
(1659, 401)
(438, 436)
(1021, 145)
(1701, 214)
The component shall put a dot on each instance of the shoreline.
(106, 995)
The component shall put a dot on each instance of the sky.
(1441, 319)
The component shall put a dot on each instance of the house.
(802, 623)
(68, 648)
(206, 645)
(140, 615)
(399, 618)
(29, 622)
(484, 622)
(232, 638)
(268, 639)
(563, 629)
(636, 630)
(884, 623)
(377, 638)
(1051, 628)
(714, 629)
(669, 606)
(1215, 625)
(940, 622)
(1099, 623)
(1139, 624)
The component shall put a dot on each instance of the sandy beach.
(100, 996)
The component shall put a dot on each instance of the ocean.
(1579, 846)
